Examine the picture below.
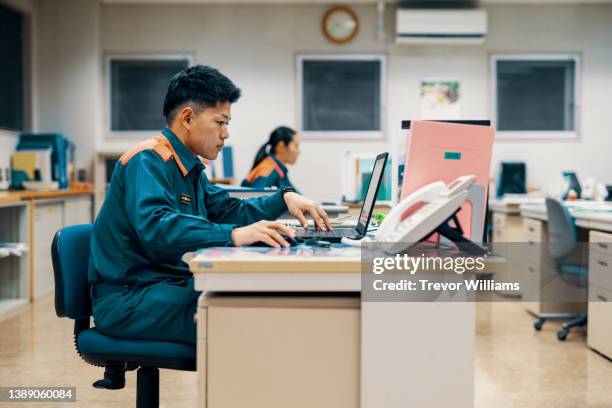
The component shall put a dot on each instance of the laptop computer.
(365, 215)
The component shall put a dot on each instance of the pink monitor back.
(438, 151)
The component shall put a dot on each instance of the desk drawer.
(599, 329)
(601, 243)
(600, 270)
(533, 230)
(533, 252)
(530, 286)
(499, 225)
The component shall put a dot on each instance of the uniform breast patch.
(185, 199)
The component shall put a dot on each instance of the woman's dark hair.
(282, 134)
(203, 86)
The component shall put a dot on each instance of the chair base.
(147, 388)
(577, 320)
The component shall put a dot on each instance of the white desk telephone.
(426, 209)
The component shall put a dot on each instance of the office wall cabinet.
(50, 215)
(599, 329)
(14, 268)
(48, 218)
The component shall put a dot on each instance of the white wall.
(256, 46)
(69, 73)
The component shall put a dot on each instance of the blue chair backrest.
(562, 234)
(70, 254)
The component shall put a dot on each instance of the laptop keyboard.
(335, 233)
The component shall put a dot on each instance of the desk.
(379, 354)
(597, 219)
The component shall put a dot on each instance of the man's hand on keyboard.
(298, 206)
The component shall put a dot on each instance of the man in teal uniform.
(161, 205)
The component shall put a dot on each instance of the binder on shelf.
(60, 151)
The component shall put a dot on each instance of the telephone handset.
(421, 212)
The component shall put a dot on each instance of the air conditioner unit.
(441, 26)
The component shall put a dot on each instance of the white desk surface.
(588, 214)
(259, 269)
(510, 204)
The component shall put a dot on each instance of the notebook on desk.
(365, 215)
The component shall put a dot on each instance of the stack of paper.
(10, 248)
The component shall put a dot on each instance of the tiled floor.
(515, 366)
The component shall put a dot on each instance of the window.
(12, 103)
(535, 96)
(341, 96)
(137, 87)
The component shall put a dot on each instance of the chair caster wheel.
(538, 324)
(562, 335)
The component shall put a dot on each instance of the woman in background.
(270, 166)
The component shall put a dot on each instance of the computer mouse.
(292, 242)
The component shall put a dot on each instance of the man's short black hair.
(201, 85)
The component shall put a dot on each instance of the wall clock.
(340, 25)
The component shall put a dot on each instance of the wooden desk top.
(37, 195)
(14, 196)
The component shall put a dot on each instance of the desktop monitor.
(445, 150)
(571, 184)
(512, 179)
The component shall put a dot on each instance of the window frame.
(26, 69)
(537, 134)
(108, 58)
(349, 134)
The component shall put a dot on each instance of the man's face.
(208, 130)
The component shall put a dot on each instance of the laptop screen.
(370, 197)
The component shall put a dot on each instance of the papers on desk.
(591, 206)
(15, 249)
(253, 253)
(334, 209)
(517, 199)
(342, 221)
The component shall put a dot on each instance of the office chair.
(569, 260)
(70, 255)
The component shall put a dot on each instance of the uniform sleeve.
(225, 209)
(166, 233)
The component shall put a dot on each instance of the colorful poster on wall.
(440, 99)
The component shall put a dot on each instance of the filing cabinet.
(278, 351)
(507, 227)
(539, 272)
(599, 329)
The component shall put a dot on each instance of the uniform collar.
(279, 163)
(183, 155)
